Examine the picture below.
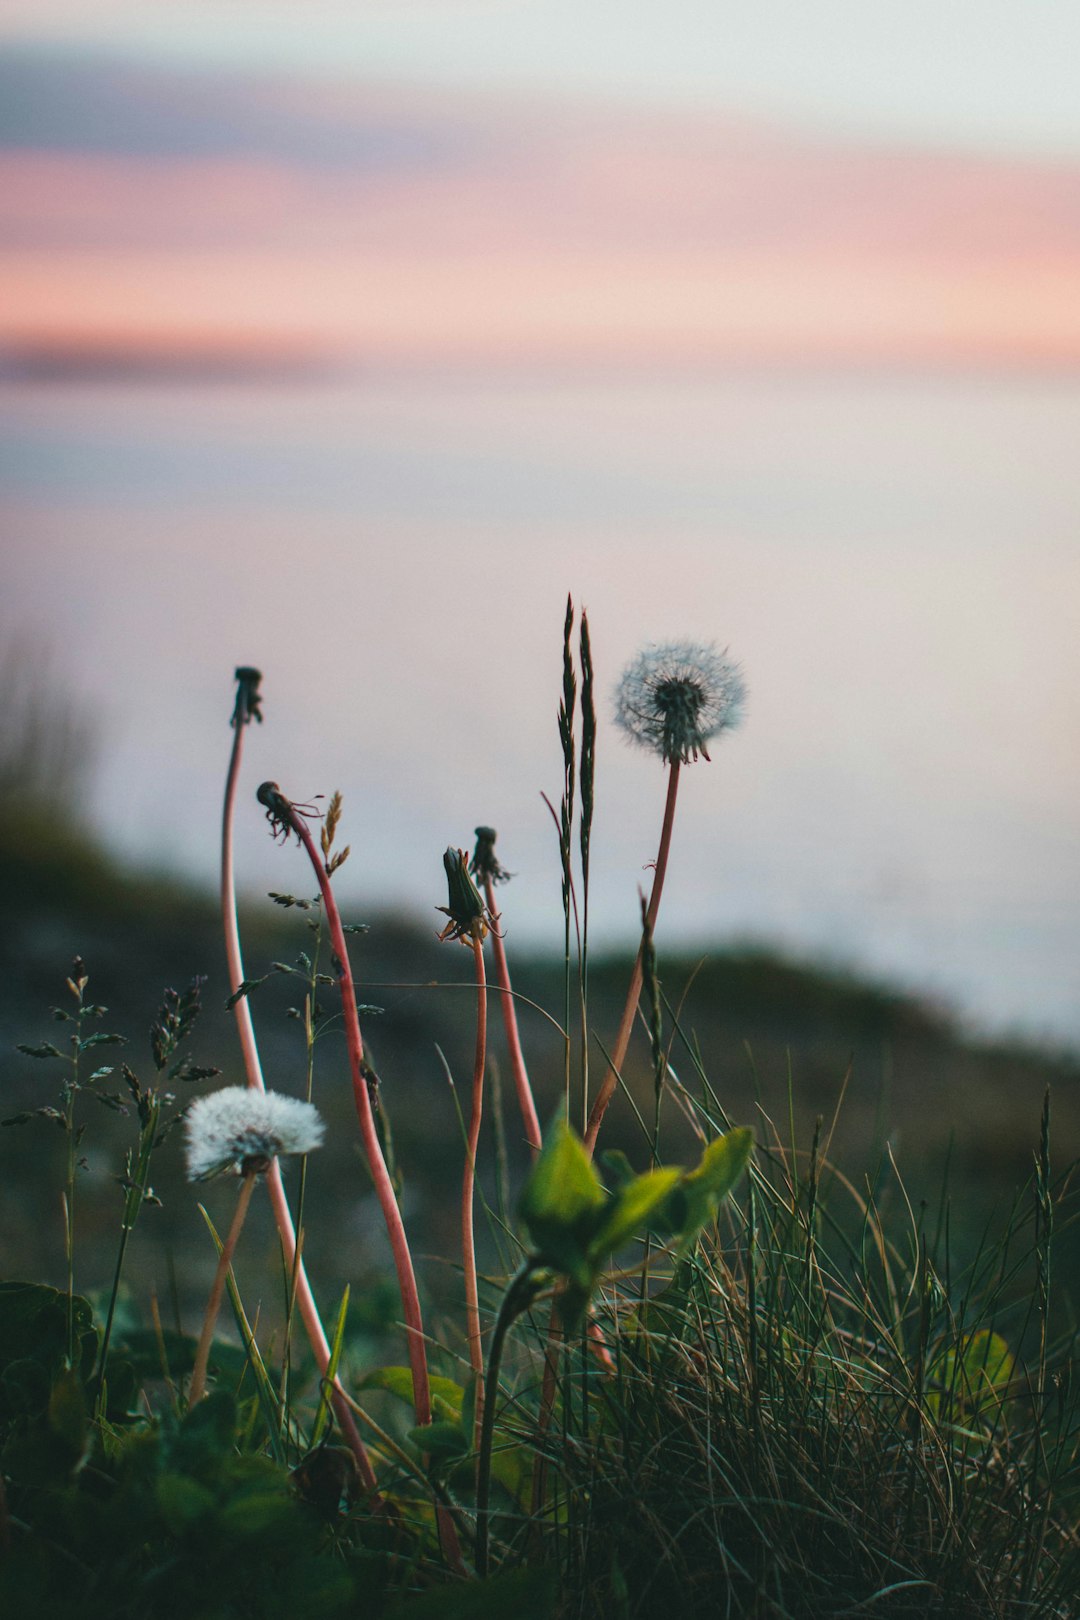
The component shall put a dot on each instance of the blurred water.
(894, 561)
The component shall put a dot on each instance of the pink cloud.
(596, 239)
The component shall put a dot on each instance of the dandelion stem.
(513, 1038)
(279, 1203)
(622, 1039)
(384, 1188)
(468, 1184)
(197, 1387)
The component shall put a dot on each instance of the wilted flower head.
(241, 1130)
(469, 917)
(674, 697)
(485, 863)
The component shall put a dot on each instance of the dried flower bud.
(248, 696)
(484, 863)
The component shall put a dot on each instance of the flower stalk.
(486, 867)
(248, 708)
(629, 1013)
(197, 1387)
(284, 816)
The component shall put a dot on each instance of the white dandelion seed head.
(240, 1130)
(675, 696)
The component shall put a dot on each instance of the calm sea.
(895, 562)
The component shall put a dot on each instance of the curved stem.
(384, 1189)
(622, 1039)
(468, 1182)
(197, 1387)
(279, 1203)
(513, 1039)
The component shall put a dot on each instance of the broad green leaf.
(563, 1187)
(630, 1209)
(705, 1188)
(442, 1441)
(965, 1381)
(399, 1382)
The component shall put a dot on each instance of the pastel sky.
(365, 330)
(158, 195)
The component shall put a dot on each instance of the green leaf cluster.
(574, 1223)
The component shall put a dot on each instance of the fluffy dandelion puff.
(674, 697)
(240, 1130)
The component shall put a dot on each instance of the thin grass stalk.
(626, 1025)
(197, 1387)
(522, 1085)
(585, 820)
(514, 1302)
(279, 1203)
(605, 1094)
(567, 706)
(468, 1184)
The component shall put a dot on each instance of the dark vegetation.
(852, 1396)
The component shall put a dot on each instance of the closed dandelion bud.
(469, 917)
(675, 697)
(240, 1131)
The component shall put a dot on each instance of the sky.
(369, 331)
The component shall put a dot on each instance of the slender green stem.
(197, 1387)
(69, 1194)
(514, 1302)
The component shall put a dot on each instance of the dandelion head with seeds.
(240, 1131)
(676, 696)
